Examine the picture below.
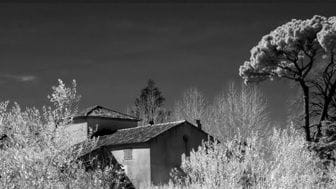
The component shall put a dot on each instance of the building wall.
(167, 148)
(138, 168)
(103, 126)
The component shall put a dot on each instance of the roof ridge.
(90, 109)
(166, 123)
(159, 124)
(121, 113)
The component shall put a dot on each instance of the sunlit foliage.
(32, 155)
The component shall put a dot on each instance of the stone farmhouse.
(147, 153)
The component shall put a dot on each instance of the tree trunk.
(306, 109)
(328, 98)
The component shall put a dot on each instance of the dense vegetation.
(34, 155)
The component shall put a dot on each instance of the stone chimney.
(198, 124)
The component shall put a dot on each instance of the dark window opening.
(186, 148)
(103, 132)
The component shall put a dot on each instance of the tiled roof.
(99, 111)
(137, 134)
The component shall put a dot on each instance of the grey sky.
(112, 49)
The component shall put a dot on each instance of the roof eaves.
(126, 144)
(103, 117)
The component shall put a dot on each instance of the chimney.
(151, 122)
(198, 123)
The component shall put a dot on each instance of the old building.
(148, 153)
(103, 121)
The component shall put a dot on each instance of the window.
(128, 154)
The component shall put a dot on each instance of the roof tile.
(137, 134)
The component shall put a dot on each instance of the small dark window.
(186, 148)
(128, 154)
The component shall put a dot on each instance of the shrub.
(282, 160)
(32, 155)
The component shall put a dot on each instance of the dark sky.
(113, 49)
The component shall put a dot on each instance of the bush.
(32, 155)
(282, 160)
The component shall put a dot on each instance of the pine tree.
(149, 105)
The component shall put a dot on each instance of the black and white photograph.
(167, 94)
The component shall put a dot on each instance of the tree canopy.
(302, 51)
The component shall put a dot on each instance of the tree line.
(238, 109)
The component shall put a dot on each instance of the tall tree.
(149, 105)
(239, 111)
(297, 51)
(192, 106)
(325, 84)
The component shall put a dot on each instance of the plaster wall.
(138, 168)
(166, 150)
